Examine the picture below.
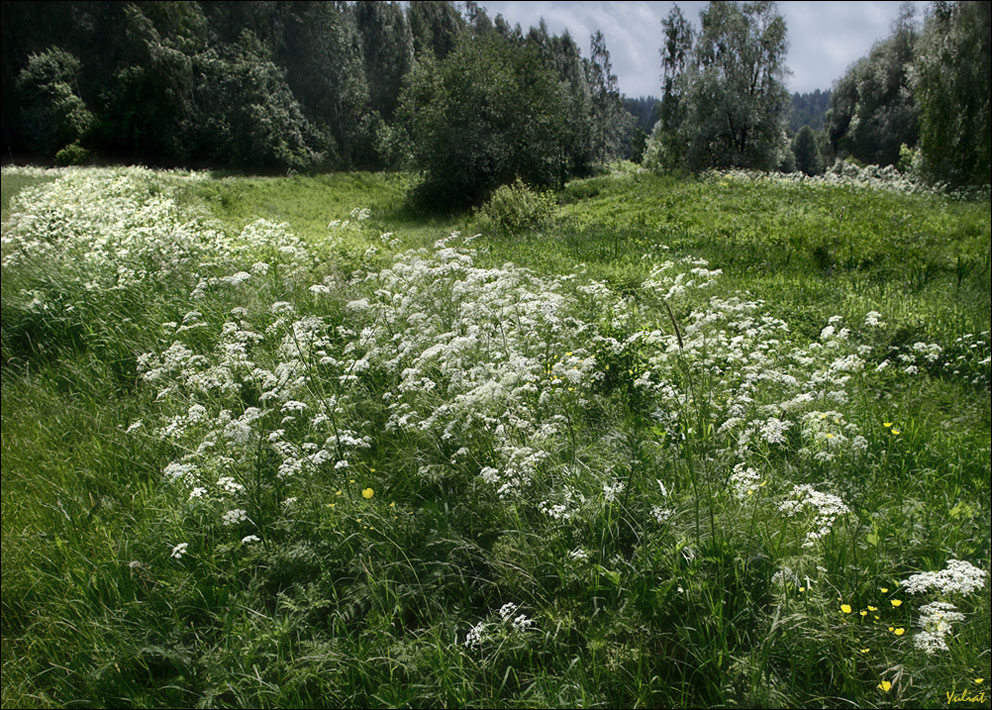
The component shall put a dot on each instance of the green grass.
(354, 601)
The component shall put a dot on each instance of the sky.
(825, 38)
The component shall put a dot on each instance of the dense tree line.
(309, 85)
(922, 91)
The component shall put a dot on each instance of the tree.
(251, 119)
(387, 51)
(322, 53)
(872, 108)
(666, 147)
(149, 106)
(488, 113)
(808, 159)
(611, 123)
(724, 103)
(809, 110)
(53, 114)
(952, 89)
(435, 26)
(565, 58)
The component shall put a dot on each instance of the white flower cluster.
(958, 577)
(484, 630)
(104, 230)
(612, 490)
(936, 619)
(744, 481)
(825, 508)
(477, 635)
(671, 279)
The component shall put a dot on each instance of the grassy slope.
(76, 499)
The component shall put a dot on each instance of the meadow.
(710, 441)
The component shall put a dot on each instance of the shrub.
(72, 154)
(514, 209)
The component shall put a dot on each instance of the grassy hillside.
(287, 442)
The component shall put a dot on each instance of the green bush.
(52, 112)
(72, 154)
(514, 209)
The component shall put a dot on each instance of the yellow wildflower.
(895, 602)
(846, 608)
(899, 631)
(885, 686)
(368, 493)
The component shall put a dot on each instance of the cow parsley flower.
(744, 481)
(477, 635)
(612, 490)
(936, 619)
(232, 517)
(826, 508)
(958, 577)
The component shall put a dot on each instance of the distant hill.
(809, 109)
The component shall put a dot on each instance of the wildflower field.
(721, 441)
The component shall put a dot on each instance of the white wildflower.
(611, 490)
(873, 319)
(229, 485)
(936, 619)
(958, 577)
(522, 623)
(744, 481)
(232, 517)
(661, 514)
(826, 509)
(773, 430)
(477, 635)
